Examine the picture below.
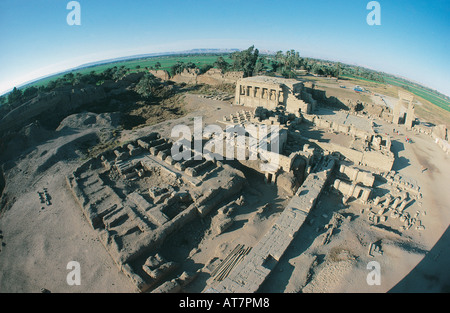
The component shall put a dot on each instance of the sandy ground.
(37, 244)
(39, 240)
(416, 261)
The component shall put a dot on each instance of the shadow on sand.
(431, 275)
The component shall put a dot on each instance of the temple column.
(237, 95)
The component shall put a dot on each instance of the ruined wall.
(443, 144)
(352, 190)
(378, 160)
(51, 107)
(334, 126)
(188, 76)
(53, 104)
(213, 77)
(250, 274)
(440, 131)
(134, 225)
(288, 182)
(308, 98)
(293, 175)
(161, 74)
(319, 95)
(294, 105)
(357, 175)
(233, 76)
(351, 154)
(286, 162)
(439, 134)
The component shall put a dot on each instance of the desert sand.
(329, 253)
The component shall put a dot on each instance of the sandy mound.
(89, 120)
(20, 142)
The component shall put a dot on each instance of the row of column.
(260, 92)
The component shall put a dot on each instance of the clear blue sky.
(412, 40)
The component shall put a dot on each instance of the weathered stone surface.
(270, 92)
(132, 225)
(248, 275)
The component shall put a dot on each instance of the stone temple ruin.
(270, 92)
(136, 195)
(249, 274)
(133, 222)
(362, 146)
(399, 115)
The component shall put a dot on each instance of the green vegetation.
(426, 93)
(150, 87)
(344, 71)
(359, 72)
(138, 65)
(359, 78)
(221, 64)
(250, 61)
(285, 64)
(245, 61)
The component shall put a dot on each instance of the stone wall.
(213, 77)
(341, 128)
(358, 176)
(440, 131)
(443, 144)
(161, 74)
(379, 160)
(188, 76)
(253, 270)
(271, 92)
(294, 105)
(352, 190)
(134, 225)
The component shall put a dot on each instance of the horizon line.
(181, 52)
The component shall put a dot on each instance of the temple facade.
(271, 92)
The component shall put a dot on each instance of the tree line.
(250, 61)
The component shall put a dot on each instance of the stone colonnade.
(265, 95)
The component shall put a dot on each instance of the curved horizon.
(409, 42)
